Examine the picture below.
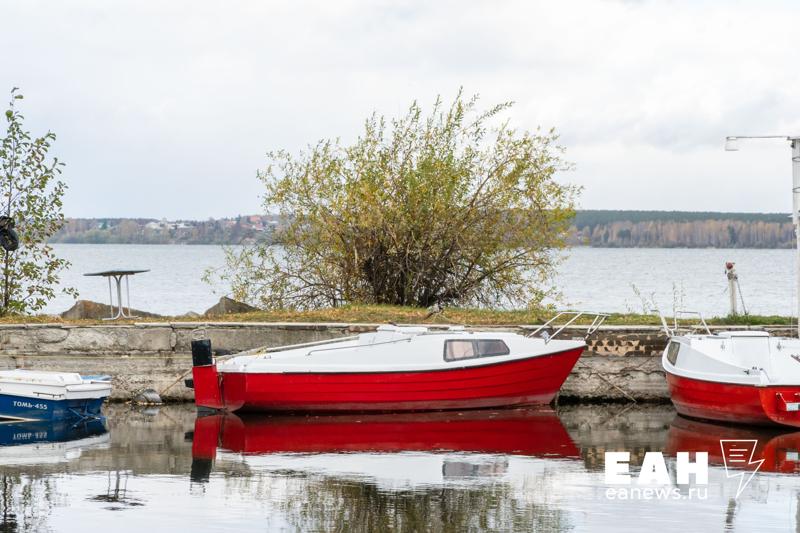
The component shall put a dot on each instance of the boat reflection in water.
(49, 441)
(779, 448)
(375, 438)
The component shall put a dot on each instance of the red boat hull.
(729, 402)
(534, 380)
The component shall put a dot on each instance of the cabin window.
(672, 352)
(488, 348)
(459, 349)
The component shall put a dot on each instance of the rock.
(97, 311)
(190, 314)
(226, 306)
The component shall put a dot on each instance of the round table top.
(116, 273)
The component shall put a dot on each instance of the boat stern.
(781, 404)
(207, 390)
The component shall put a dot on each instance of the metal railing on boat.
(676, 328)
(598, 320)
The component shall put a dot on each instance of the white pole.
(796, 215)
(732, 146)
(730, 272)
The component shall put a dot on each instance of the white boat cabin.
(741, 357)
(398, 348)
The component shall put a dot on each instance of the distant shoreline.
(569, 247)
(593, 228)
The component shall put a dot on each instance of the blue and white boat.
(40, 395)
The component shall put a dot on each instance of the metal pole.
(118, 279)
(730, 272)
(110, 298)
(796, 216)
(128, 290)
(731, 146)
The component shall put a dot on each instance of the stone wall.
(146, 355)
(620, 364)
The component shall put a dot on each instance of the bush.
(452, 207)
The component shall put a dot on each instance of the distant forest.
(682, 229)
(602, 229)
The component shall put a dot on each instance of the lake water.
(513, 470)
(599, 279)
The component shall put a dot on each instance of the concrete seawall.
(620, 364)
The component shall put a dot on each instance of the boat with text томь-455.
(392, 369)
(40, 395)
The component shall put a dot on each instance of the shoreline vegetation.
(594, 228)
(384, 314)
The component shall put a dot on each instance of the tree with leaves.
(31, 199)
(452, 207)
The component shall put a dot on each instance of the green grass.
(410, 315)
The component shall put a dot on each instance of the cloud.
(167, 109)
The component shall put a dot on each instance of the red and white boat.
(747, 377)
(392, 369)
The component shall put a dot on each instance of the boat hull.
(533, 380)
(25, 408)
(736, 403)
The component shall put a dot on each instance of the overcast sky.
(166, 109)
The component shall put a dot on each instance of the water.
(173, 286)
(521, 470)
(602, 279)
(599, 279)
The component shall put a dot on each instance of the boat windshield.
(460, 349)
(672, 352)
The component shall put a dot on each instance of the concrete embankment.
(622, 363)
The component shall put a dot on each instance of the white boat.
(738, 376)
(41, 395)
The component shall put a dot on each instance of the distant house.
(166, 225)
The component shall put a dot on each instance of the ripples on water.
(590, 278)
(524, 470)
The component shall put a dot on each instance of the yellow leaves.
(419, 209)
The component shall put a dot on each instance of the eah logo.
(654, 469)
(739, 454)
(653, 481)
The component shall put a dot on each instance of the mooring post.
(730, 272)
